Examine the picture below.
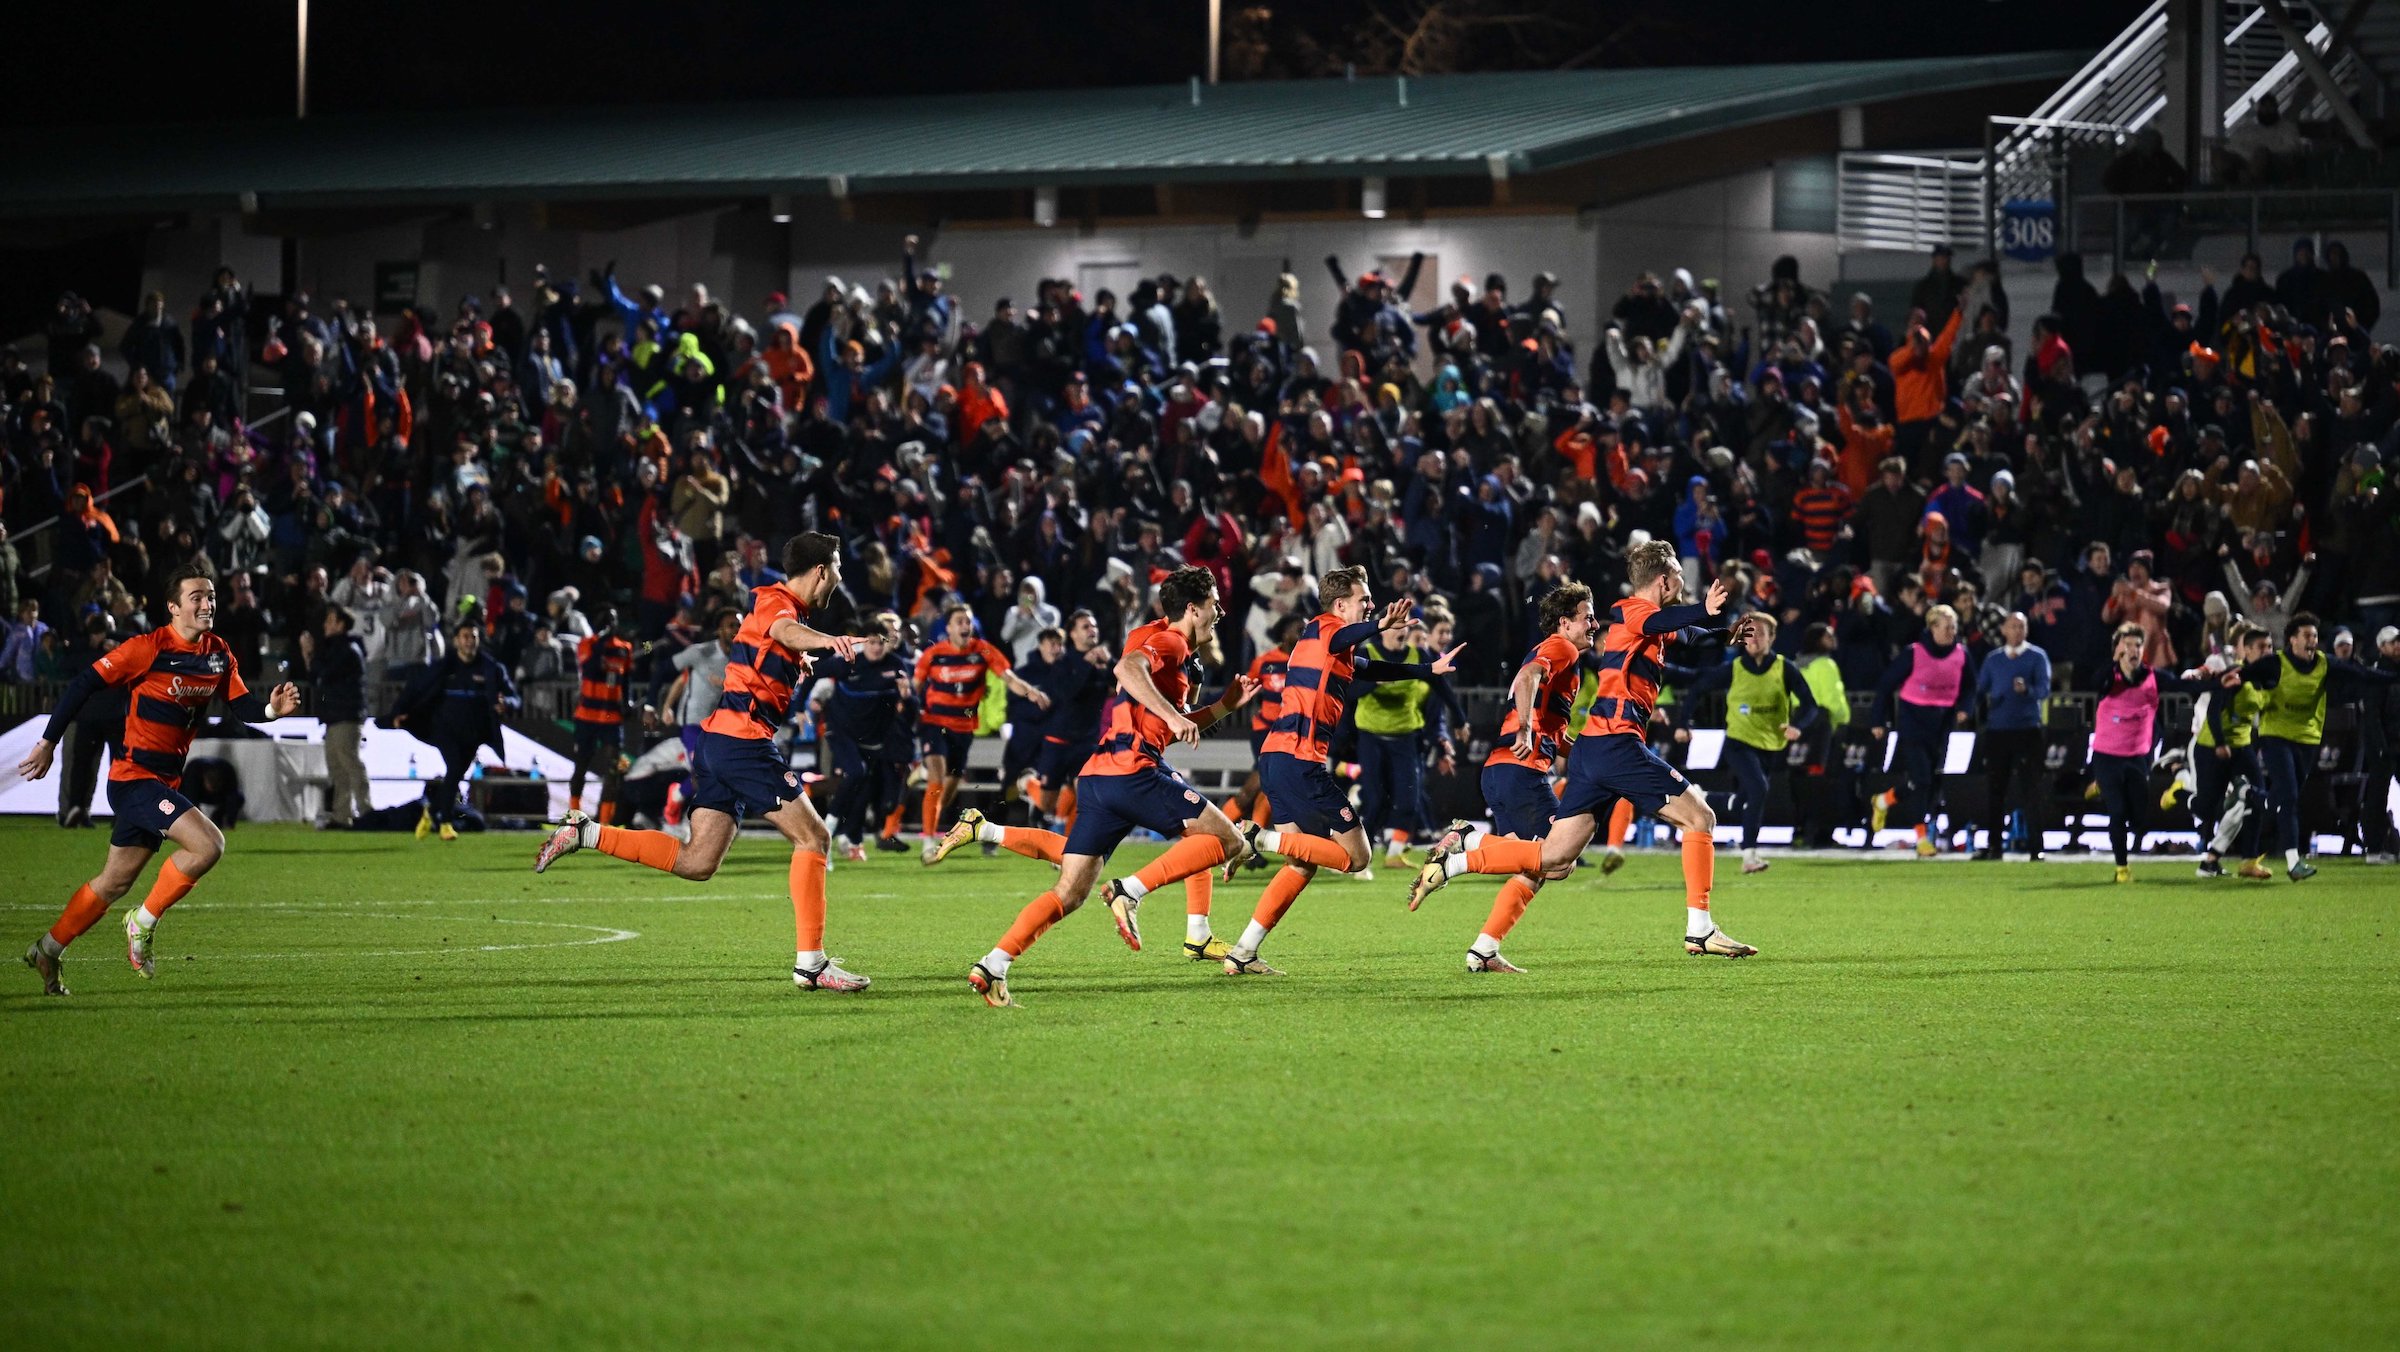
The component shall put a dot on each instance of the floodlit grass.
(391, 1094)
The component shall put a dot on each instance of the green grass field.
(390, 1094)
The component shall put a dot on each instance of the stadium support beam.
(2194, 76)
(2313, 66)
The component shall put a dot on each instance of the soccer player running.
(738, 768)
(2125, 736)
(174, 672)
(1768, 706)
(950, 680)
(1926, 691)
(2299, 682)
(1316, 827)
(604, 668)
(1249, 803)
(1516, 776)
(1611, 759)
(860, 715)
(2225, 760)
(1126, 784)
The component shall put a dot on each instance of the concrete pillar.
(2194, 118)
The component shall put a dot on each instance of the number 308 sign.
(2028, 230)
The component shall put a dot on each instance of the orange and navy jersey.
(606, 664)
(950, 680)
(173, 682)
(1269, 671)
(760, 674)
(1561, 665)
(1316, 687)
(1131, 737)
(1632, 662)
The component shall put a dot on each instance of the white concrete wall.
(1723, 228)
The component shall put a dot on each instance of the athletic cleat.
(1364, 875)
(48, 967)
(1611, 860)
(958, 835)
(891, 844)
(1755, 865)
(993, 989)
(1717, 944)
(1248, 851)
(2124, 873)
(1489, 962)
(424, 823)
(566, 840)
(2301, 871)
(137, 945)
(2209, 868)
(449, 832)
(930, 850)
(1214, 950)
(1926, 849)
(1877, 815)
(1237, 965)
(1431, 876)
(991, 850)
(854, 853)
(828, 976)
(1124, 908)
(1452, 839)
(2255, 870)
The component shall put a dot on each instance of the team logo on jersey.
(166, 806)
(216, 664)
(791, 779)
(1190, 797)
(1345, 814)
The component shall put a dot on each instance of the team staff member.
(950, 680)
(455, 706)
(1390, 719)
(2012, 685)
(859, 710)
(1925, 693)
(2300, 681)
(1768, 706)
(173, 673)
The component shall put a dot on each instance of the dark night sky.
(72, 63)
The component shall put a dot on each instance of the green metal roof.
(1427, 125)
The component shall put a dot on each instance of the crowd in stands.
(1472, 442)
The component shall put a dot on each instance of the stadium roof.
(1425, 126)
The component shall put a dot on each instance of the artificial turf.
(1951, 1105)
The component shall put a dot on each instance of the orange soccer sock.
(1066, 808)
(1515, 895)
(1259, 812)
(1315, 850)
(574, 802)
(172, 886)
(1620, 823)
(895, 819)
(653, 849)
(933, 806)
(1699, 868)
(1032, 922)
(1504, 854)
(608, 812)
(84, 910)
(808, 901)
(1199, 891)
(1232, 808)
(1282, 890)
(1048, 846)
(1190, 855)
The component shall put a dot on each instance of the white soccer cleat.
(1489, 962)
(575, 831)
(48, 966)
(137, 945)
(992, 986)
(828, 977)
(1752, 862)
(1247, 834)
(1717, 944)
(1237, 965)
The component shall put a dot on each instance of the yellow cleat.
(1926, 849)
(449, 832)
(1214, 950)
(1613, 860)
(961, 834)
(424, 823)
(993, 989)
(1879, 813)
(2256, 871)
(2124, 873)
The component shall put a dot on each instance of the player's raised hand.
(1184, 730)
(1718, 595)
(1398, 615)
(1448, 662)
(1243, 690)
(37, 760)
(283, 701)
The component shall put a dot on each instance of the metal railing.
(2098, 223)
(33, 532)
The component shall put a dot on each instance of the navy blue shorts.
(1520, 799)
(1604, 768)
(1061, 762)
(843, 755)
(1109, 807)
(1306, 794)
(146, 809)
(1258, 743)
(951, 746)
(590, 737)
(1020, 755)
(741, 775)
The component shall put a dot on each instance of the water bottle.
(412, 765)
(535, 774)
(477, 772)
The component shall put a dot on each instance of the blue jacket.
(834, 377)
(2004, 709)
